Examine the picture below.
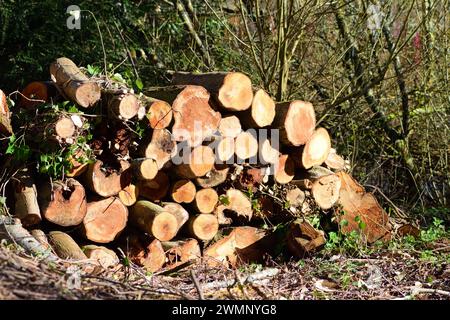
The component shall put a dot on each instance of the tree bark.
(25, 194)
(65, 247)
(5, 115)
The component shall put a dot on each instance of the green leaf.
(344, 223)
(139, 84)
(224, 200)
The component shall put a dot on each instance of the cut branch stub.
(108, 181)
(325, 191)
(230, 126)
(74, 83)
(203, 226)
(153, 219)
(261, 113)
(316, 150)
(195, 120)
(123, 106)
(197, 163)
(232, 90)
(161, 148)
(361, 211)
(105, 219)
(154, 189)
(5, 115)
(183, 191)
(296, 121)
(62, 203)
(159, 114)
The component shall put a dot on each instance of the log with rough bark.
(261, 112)
(159, 113)
(196, 163)
(246, 145)
(284, 169)
(5, 115)
(243, 244)
(303, 239)
(181, 251)
(251, 178)
(145, 169)
(161, 148)
(315, 151)
(74, 83)
(129, 194)
(65, 247)
(37, 93)
(206, 200)
(335, 161)
(230, 126)
(105, 220)
(63, 202)
(105, 257)
(296, 121)
(325, 191)
(216, 176)
(154, 219)
(156, 188)
(232, 90)
(178, 211)
(26, 201)
(360, 210)
(107, 181)
(183, 191)
(203, 226)
(123, 106)
(195, 120)
(225, 150)
(12, 230)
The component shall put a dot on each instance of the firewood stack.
(218, 167)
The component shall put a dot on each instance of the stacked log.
(200, 182)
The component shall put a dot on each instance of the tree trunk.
(206, 200)
(296, 121)
(107, 181)
(159, 113)
(63, 203)
(229, 126)
(154, 220)
(37, 93)
(296, 197)
(216, 176)
(5, 115)
(197, 163)
(237, 202)
(64, 129)
(40, 236)
(284, 169)
(246, 146)
(156, 188)
(161, 148)
(105, 257)
(151, 256)
(123, 106)
(203, 226)
(105, 220)
(195, 120)
(129, 194)
(303, 239)
(65, 247)
(25, 194)
(232, 90)
(74, 83)
(183, 191)
(262, 111)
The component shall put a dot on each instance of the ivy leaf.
(139, 84)
(224, 200)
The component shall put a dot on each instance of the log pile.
(217, 167)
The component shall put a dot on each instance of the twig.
(197, 285)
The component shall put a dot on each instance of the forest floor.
(406, 269)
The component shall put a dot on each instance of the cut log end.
(246, 146)
(262, 110)
(317, 148)
(203, 226)
(284, 169)
(325, 191)
(216, 176)
(124, 106)
(183, 191)
(154, 189)
(206, 200)
(109, 181)
(146, 168)
(200, 162)
(335, 161)
(129, 194)
(225, 149)
(230, 126)
(65, 128)
(159, 114)
(236, 92)
(303, 239)
(161, 148)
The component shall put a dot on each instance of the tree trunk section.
(225, 150)
(154, 220)
(105, 220)
(105, 257)
(216, 176)
(63, 203)
(334, 161)
(284, 169)
(262, 111)
(37, 93)
(315, 151)
(179, 252)
(325, 191)
(123, 106)
(145, 169)
(183, 191)
(161, 148)
(178, 211)
(74, 83)
(230, 127)
(246, 146)
(159, 113)
(303, 239)
(107, 181)
(65, 247)
(203, 226)
(232, 90)
(206, 200)
(26, 203)
(129, 194)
